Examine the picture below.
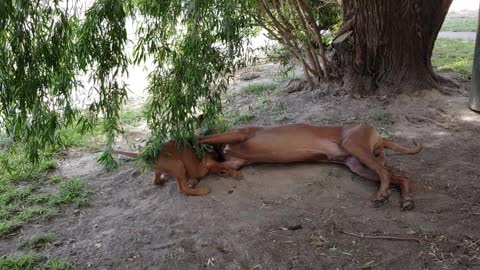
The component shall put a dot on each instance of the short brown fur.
(360, 147)
(185, 166)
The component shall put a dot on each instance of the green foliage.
(452, 54)
(258, 88)
(461, 25)
(72, 191)
(37, 68)
(37, 241)
(379, 115)
(132, 117)
(196, 46)
(34, 261)
(46, 46)
(235, 118)
(43, 48)
(21, 203)
(102, 40)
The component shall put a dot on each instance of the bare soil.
(298, 216)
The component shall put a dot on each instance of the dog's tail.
(128, 154)
(401, 149)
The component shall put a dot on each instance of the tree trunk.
(389, 43)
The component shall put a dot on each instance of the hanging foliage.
(45, 46)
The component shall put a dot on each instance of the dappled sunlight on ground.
(469, 116)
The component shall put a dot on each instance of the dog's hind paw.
(380, 200)
(407, 204)
(191, 183)
(237, 175)
(232, 173)
(201, 191)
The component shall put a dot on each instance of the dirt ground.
(299, 216)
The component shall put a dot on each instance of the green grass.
(281, 110)
(72, 191)
(16, 166)
(455, 55)
(460, 25)
(38, 241)
(132, 117)
(258, 88)
(229, 118)
(24, 202)
(238, 118)
(289, 75)
(34, 261)
(263, 100)
(379, 115)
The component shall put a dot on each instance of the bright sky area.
(459, 5)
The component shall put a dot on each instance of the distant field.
(461, 22)
(453, 54)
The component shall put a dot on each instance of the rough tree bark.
(389, 43)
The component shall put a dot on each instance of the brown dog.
(360, 147)
(186, 167)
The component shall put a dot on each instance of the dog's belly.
(286, 149)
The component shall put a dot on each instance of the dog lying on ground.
(359, 147)
(186, 167)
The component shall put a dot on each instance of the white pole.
(474, 102)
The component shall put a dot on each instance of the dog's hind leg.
(405, 184)
(365, 156)
(159, 178)
(358, 168)
(191, 183)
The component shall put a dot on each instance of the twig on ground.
(385, 237)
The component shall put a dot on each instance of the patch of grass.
(379, 115)
(22, 203)
(235, 118)
(281, 108)
(37, 241)
(460, 24)
(16, 166)
(73, 136)
(54, 179)
(229, 118)
(132, 117)
(34, 261)
(289, 75)
(72, 191)
(378, 119)
(455, 55)
(258, 88)
(264, 100)
(382, 130)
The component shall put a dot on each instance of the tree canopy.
(45, 46)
